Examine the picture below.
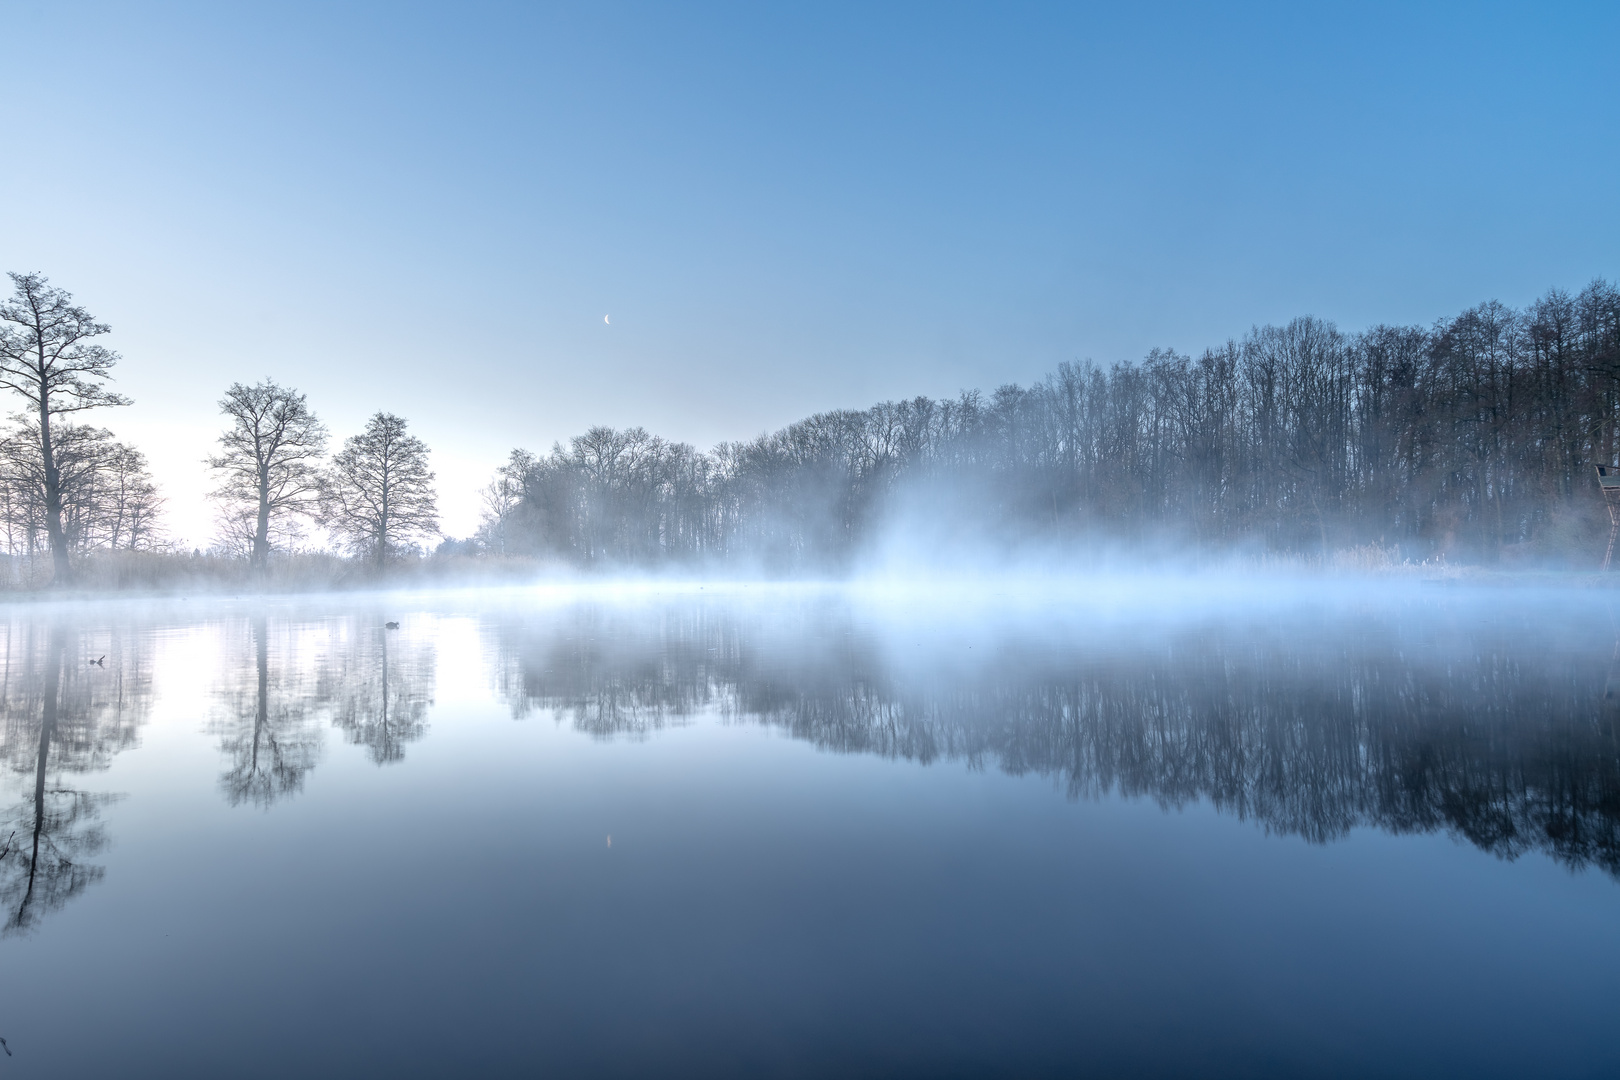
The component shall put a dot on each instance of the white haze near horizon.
(996, 617)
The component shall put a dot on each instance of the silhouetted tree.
(108, 499)
(48, 359)
(501, 498)
(377, 497)
(269, 465)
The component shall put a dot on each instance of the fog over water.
(1167, 826)
(599, 540)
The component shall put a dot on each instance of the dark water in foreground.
(1347, 832)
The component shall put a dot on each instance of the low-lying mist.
(1471, 443)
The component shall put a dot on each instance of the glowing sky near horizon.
(433, 209)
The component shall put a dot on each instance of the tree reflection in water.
(613, 677)
(284, 679)
(267, 732)
(63, 715)
(1498, 735)
(378, 685)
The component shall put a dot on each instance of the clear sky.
(783, 208)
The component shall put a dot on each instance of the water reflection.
(1500, 733)
(377, 682)
(611, 675)
(1504, 733)
(748, 880)
(71, 701)
(269, 733)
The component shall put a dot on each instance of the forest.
(1470, 441)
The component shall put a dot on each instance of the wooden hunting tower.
(1609, 481)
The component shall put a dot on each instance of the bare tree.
(47, 358)
(269, 465)
(502, 497)
(378, 494)
(132, 501)
(107, 497)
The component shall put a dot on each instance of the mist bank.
(1471, 441)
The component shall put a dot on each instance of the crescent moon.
(605, 320)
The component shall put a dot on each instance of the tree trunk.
(261, 529)
(62, 572)
(382, 519)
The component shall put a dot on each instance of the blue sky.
(430, 208)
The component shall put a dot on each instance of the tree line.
(1472, 439)
(68, 489)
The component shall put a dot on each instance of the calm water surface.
(1166, 831)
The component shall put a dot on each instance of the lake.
(1125, 827)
